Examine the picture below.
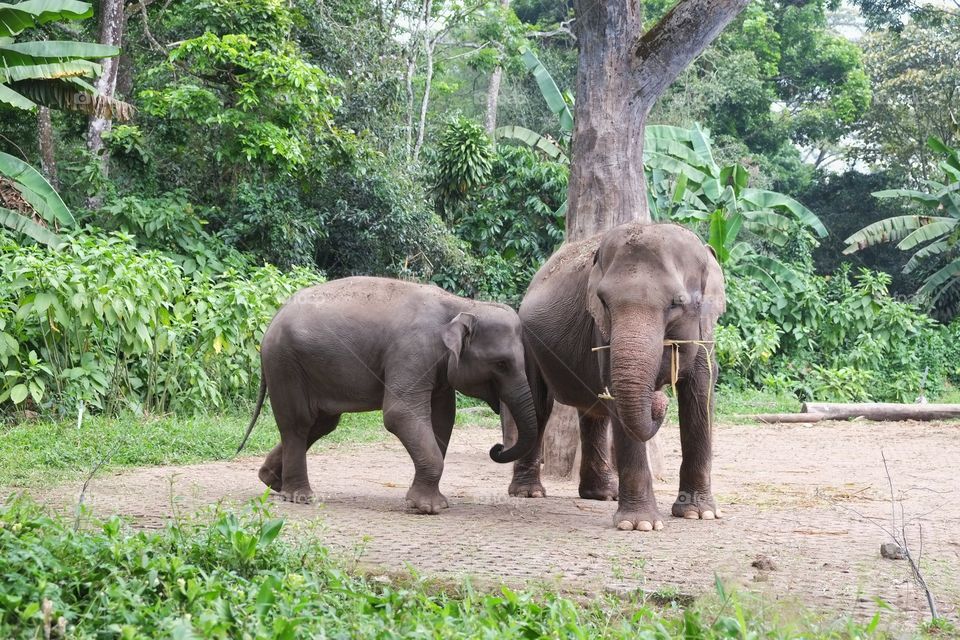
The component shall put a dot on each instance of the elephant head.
(648, 283)
(486, 362)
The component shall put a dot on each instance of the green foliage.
(463, 161)
(238, 575)
(512, 223)
(115, 326)
(913, 74)
(686, 185)
(938, 228)
(259, 103)
(841, 338)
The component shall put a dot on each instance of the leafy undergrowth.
(40, 453)
(231, 576)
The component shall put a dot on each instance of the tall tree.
(493, 90)
(111, 22)
(621, 72)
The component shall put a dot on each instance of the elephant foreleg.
(638, 505)
(443, 413)
(410, 420)
(696, 400)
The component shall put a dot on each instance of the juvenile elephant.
(595, 321)
(361, 344)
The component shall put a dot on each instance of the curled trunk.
(520, 404)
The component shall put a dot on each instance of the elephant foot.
(427, 500)
(695, 505)
(270, 478)
(303, 495)
(527, 489)
(603, 487)
(641, 518)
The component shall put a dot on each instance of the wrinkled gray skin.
(629, 288)
(361, 344)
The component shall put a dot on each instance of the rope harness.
(708, 347)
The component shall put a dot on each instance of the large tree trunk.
(621, 72)
(111, 23)
(48, 160)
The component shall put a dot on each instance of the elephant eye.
(679, 300)
(502, 365)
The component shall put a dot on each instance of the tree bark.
(493, 99)
(621, 72)
(111, 23)
(493, 91)
(48, 161)
(429, 43)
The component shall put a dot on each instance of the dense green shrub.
(840, 337)
(106, 324)
(510, 223)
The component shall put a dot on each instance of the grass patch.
(232, 575)
(38, 453)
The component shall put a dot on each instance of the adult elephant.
(361, 344)
(607, 323)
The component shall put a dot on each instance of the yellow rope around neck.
(708, 347)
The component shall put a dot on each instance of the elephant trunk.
(519, 401)
(635, 359)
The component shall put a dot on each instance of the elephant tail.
(261, 396)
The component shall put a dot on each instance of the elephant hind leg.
(271, 472)
(598, 476)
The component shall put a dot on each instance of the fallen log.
(788, 418)
(881, 411)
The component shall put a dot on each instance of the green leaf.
(14, 18)
(36, 190)
(60, 49)
(549, 90)
(19, 393)
(14, 99)
(22, 224)
(532, 139)
(927, 232)
(269, 531)
(888, 230)
(763, 199)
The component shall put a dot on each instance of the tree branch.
(665, 50)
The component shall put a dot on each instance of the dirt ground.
(808, 498)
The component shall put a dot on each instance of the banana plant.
(938, 228)
(686, 185)
(52, 73)
(558, 102)
(48, 73)
(29, 204)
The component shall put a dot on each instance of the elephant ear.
(594, 305)
(714, 295)
(456, 333)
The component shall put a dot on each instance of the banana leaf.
(22, 224)
(36, 190)
(889, 230)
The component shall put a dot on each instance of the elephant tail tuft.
(261, 396)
